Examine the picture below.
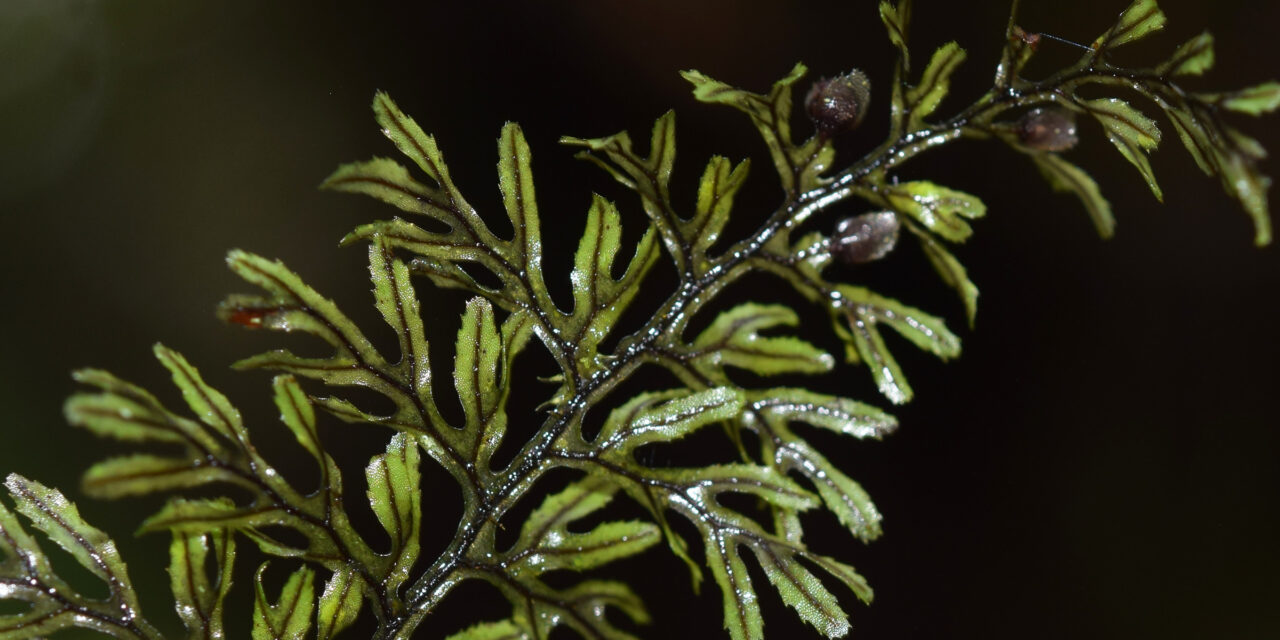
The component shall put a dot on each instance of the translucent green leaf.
(1250, 188)
(724, 534)
(798, 165)
(599, 299)
(665, 416)
(294, 306)
(546, 544)
(197, 516)
(716, 191)
(1132, 133)
(1193, 58)
(1064, 176)
(339, 604)
(388, 181)
(833, 413)
(417, 145)
(502, 630)
(1255, 101)
(290, 617)
(1140, 19)
(581, 608)
(207, 403)
(473, 245)
(477, 379)
(741, 609)
(844, 573)
(733, 340)
(865, 311)
(198, 600)
(338, 370)
(934, 85)
(395, 299)
(952, 272)
(450, 275)
(127, 412)
(395, 494)
(142, 473)
(896, 18)
(515, 181)
(700, 484)
(58, 518)
(297, 413)
(648, 176)
(845, 498)
(804, 592)
(27, 575)
(1221, 151)
(941, 210)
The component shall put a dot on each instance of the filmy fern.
(210, 444)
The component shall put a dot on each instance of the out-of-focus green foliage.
(208, 443)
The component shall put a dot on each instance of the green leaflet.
(127, 412)
(1220, 150)
(716, 191)
(546, 544)
(581, 608)
(1132, 133)
(772, 410)
(599, 299)
(26, 575)
(841, 415)
(297, 413)
(502, 630)
(798, 165)
(390, 182)
(290, 617)
(1254, 101)
(294, 306)
(663, 417)
(198, 515)
(864, 312)
(412, 141)
(733, 340)
(1193, 58)
(1139, 20)
(941, 210)
(395, 494)
(896, 18)
(1064, 176)
(395, 299)
(647, 176)
(924, 98)
(515, 181)
(198, 600)
(953, 273)
(723, 532)
(339, 603)
(143, 473)
(475, 376)
(207, 403)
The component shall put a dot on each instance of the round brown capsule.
(865, 237)
(838, 104)
(1047, 129)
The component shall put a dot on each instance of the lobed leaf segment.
(209, 443)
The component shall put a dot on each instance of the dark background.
(1101, 462)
